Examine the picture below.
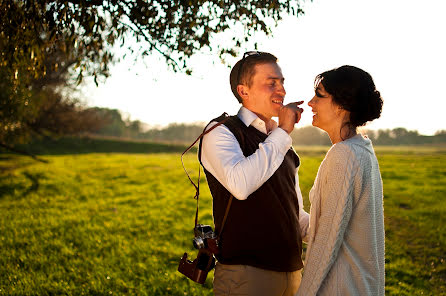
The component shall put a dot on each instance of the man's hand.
(289, 115)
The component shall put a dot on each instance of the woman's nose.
(310, 103)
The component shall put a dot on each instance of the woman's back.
(347, 219)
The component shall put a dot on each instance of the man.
(251, 158)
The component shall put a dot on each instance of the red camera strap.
(197, 187)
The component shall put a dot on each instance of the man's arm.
(240, 175)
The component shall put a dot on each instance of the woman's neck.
(341, 133)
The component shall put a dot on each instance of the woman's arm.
(304, 217)
(336, 202)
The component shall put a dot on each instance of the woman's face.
(326, 114)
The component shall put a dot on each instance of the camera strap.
(197, 186)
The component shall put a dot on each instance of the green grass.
(117, 224)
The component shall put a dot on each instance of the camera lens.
(198, 243)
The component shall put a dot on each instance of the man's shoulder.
(221, 117)
(230, 121)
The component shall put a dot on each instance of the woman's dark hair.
(353, 89)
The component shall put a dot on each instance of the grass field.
(118, 223)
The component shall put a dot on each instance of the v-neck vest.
(263, 230)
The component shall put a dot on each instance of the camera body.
(206, 242)
(205, 238)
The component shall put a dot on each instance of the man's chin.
(276, 109)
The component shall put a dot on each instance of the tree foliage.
(45, 44)
(87, 29)
(36, 105)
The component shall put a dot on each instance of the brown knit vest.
(263, 230)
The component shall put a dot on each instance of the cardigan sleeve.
(304, 217)
(336, 202)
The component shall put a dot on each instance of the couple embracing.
(250, 158)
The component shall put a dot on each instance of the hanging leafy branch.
(31, 29)
(44, 44)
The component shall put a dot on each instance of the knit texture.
(345, 254)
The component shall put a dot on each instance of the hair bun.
(367, 108)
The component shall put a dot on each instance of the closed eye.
(275, 80)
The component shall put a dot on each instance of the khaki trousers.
(230, 280)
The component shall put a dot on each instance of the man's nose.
(281, 89)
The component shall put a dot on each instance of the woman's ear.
(344, 114)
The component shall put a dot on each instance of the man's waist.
(273, 260)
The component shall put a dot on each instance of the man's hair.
(244, 69)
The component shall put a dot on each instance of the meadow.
(109, 223)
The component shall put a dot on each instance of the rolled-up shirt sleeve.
(240, 175)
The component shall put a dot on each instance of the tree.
(115, 125)
(40, 109)
(310, 135)
(75, 38)
(31, 29)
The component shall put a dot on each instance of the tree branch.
(19, 151)
(140, 31)
(87, 3)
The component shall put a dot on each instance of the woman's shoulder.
(341, 150)
(350, 151)
(356, 145)
(358, 151)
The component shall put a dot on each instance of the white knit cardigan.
(345, 254)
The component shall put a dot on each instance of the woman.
(345, 254)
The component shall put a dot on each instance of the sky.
(400, 43)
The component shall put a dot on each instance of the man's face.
(266, 94)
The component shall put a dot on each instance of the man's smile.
(278, 101)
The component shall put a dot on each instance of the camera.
(206, 242)
(198, 269)
(205, 238)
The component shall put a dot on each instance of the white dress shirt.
(222, 156)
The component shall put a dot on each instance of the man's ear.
(242, 91)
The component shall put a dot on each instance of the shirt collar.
(250, 118)
(247, 116)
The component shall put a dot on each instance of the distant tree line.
(116, 126)
(401, 136)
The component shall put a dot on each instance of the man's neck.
(269, 123)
